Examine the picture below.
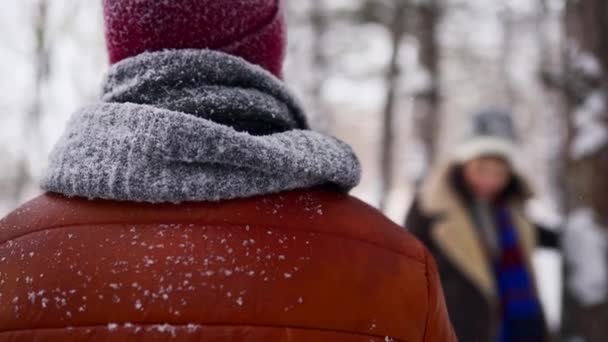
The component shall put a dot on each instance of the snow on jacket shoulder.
(306, 265)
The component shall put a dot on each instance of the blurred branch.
(67, 19)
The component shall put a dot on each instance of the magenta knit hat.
(251, 29)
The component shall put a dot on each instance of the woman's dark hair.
(513, 190)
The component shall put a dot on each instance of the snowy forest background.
(397, 79)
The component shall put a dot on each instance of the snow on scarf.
(193, 125)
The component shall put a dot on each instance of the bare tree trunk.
(318, 18)
(41, 70)
(32, 134)
(507, 20)
(427, 102)
(397, 30)
(586, 91)
(549, 72)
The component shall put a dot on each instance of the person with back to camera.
(470, 214)
(192, 203)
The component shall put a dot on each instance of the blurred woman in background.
(470, 214)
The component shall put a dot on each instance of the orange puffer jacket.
(311, 265)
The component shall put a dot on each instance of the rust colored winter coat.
(311, 265)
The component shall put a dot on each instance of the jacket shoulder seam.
(409, 257)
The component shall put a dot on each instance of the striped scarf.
(522, 316)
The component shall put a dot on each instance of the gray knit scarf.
(193, 125)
